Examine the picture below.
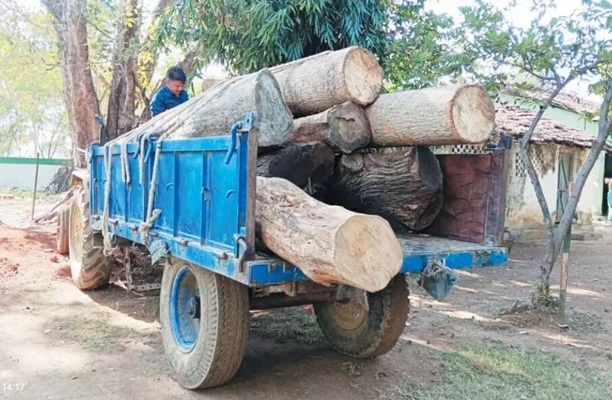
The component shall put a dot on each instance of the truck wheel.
(204, 322)
(63, 226)
(361, 333)
(90, 268)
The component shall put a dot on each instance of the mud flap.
(437, 279)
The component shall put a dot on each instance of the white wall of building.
(20, 175)
(523, 210)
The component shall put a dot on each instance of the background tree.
(109, 51)
(32, 117)
(553, 52)
(248, 35)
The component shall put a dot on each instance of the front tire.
(204, 319)
(90, 268)
(361, 333)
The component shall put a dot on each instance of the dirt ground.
(59, 343)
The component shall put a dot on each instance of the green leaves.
(32, 114)
(247, 35)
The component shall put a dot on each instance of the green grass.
(507, 374)
(288, 325)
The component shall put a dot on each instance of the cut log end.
(363, 76)
(355, 262)
(270, 103)
(473, 113)
(350, 128)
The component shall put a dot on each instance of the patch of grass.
(93, 334)
(28, 194)
(291, 324)
(507, 374)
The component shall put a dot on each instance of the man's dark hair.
(176, 74)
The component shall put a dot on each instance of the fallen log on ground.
(344, 127)
(328, 243)
(214, 111)
(433, 116)
(51, 213)
(314, 84)
(307, 166)
(403, 184)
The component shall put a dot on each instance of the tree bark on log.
(314, 84)
(214, 111)
(344, 127)
(433, 116)
(307, 166)
(328, 243)
(403, 185)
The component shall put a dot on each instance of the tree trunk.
(314, 84)
(213, 112)
(403, 185)
(434, 116)
(121, 115)
(308, 166)
(344, 127)
(328, 243)
(80, 96)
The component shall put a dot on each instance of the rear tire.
(63, 228)
(90, 268)
(361, 333)
(204, 322)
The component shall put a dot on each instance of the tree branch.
(533, 176)
(15, 8)
(603, 131)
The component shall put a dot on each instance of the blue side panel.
(135, 192)
(165, 194)
(201, 193)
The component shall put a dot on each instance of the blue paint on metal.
(230, 151)
(203, 203)
(185, 309)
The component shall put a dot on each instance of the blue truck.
(191, 203)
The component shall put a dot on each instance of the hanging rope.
(106, 234)
(151, 215)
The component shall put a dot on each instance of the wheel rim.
(185, 308)
(349, 315)
(75, 242)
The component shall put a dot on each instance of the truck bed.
(204, 199)
(418, 251)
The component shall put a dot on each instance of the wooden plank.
(497, 194)
(466, 186)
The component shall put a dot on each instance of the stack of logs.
(339, 145)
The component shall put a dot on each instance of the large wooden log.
(328, 243)
(214, 111)
(403, 185)
(344, 127)
(314, 84)
(434, 116)
(307, 166)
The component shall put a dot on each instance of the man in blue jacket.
(172, 94)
